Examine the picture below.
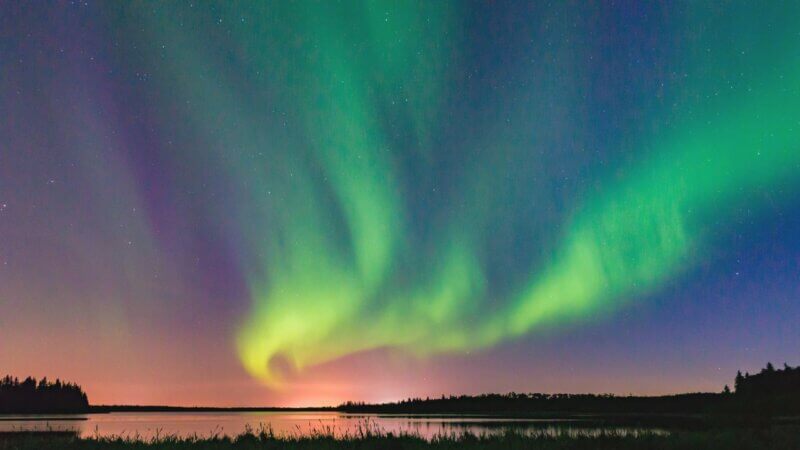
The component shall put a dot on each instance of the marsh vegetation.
(774, 438)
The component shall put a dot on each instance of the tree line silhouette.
(769, 382)
(770, 391)
(31, 396)
(766, 393)
(516, 404)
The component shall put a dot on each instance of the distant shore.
(762, 396)
(95, 409)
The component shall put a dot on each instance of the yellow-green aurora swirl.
(357, 236)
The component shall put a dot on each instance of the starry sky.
(301, 203)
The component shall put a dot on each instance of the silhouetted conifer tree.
(32, 397)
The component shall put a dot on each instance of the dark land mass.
(158, 408)
(766, 395)
(35, 397)
(760, 413)
(770, 396)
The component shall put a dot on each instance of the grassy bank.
(774, 438)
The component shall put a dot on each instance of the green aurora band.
(334, 264)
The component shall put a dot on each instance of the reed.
(370, 437)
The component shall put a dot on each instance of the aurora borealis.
(308, 202)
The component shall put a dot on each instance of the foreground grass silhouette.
(774, 438)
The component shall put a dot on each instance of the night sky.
(294, 203)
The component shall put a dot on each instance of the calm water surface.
(147, 425)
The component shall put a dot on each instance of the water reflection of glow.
(206, 424)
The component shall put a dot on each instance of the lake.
(147, 425)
